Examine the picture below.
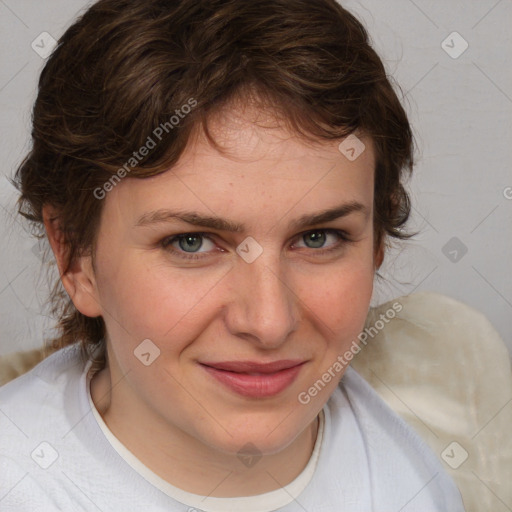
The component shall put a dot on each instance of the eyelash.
(166, 243)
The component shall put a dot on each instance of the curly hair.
(126, 66)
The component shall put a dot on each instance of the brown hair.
(127, 66)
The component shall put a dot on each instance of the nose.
(263, 308)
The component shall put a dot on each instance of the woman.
(217, 181)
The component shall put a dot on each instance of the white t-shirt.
(57, 454)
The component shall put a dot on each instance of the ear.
(79, 280)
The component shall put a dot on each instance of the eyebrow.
(220, 224)
(330, 214)
(161, 216)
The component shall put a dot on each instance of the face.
(249, 272)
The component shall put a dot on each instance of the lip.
(253, 379)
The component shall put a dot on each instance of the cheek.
(338, 304)
(154, 301)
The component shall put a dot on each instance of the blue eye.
(322, 239)
(189, 243)
(315, 239)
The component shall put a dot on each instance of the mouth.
(252, 379)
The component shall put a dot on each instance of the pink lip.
(257, 380)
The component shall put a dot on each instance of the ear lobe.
(79, 279)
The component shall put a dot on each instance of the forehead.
(261, 164)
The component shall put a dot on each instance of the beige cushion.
(444, 369)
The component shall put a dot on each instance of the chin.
(261, 436)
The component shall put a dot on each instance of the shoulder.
(52, 371)
(396, 453)
(40, 400)
(17, 363)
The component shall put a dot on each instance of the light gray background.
(462, 186)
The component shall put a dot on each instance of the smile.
(255, 380)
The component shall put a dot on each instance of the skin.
(293, 301)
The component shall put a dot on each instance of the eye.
(189, 243)
(321, 239)
(315, 239)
